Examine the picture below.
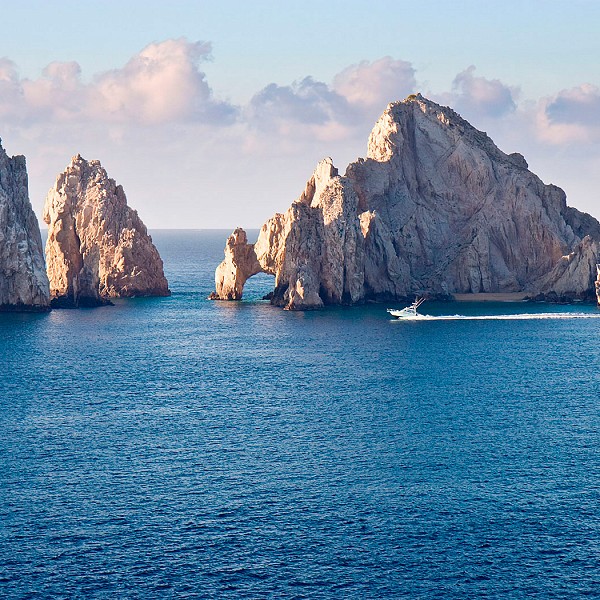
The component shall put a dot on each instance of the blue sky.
(226, 132)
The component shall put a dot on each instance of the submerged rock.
(23, 280)
(97, 248)
(436, 208)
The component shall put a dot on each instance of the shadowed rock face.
(23, 280)
(435, 208)
(97, 248)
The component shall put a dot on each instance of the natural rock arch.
(435, 208)
(239, 265)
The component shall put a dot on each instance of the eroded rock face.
(573, 276)
(23, 280)
(435, 208)
(240, 263)
(97, 247)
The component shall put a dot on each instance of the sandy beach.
(491, 297)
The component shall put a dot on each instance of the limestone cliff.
(97, 247)
(23, 280)
(435, 208)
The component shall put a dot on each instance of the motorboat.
(410, 312)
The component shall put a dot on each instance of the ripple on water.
(177, 447)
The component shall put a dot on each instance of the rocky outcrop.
(573, 276)
(23, 280)
(240, 263)
(97, 247)
(436, 208)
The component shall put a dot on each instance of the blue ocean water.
(182, 448)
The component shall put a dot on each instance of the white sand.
(510, 297)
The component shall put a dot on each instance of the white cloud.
(375, 84)
(303, 111)
(308, 102)
(310, 108)
(571, 115)
(480, 97)
(58, 94)
(160, 84)
(158, 114)
(11, 93)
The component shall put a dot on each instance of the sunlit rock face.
(97, 247)
(239, 264)
(435, 208)
(23, 280)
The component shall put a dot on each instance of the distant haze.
(214, 114)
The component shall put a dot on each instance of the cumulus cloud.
(571, 115)
(11, 93)
(580, 105)
(161, 84)
(58, 93)
(303, 110)
(357, 95)
(308, 102)
(376, 84)
(480, 96)
(159, 106)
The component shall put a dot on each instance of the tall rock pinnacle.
(97, 248)
(23, 280)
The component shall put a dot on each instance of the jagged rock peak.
(97, 248)
(322, 175)
(436, 208)
(401, 119)
(23, 280)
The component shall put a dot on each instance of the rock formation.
(23, 280)
(435, 208)
(97, 248)
(240, 263)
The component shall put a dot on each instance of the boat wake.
(515, 317)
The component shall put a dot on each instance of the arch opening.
(258, 286)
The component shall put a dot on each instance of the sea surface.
(182, 448)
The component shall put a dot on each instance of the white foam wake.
(516, 317)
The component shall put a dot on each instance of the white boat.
(410, 312)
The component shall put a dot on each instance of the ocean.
(182, 448)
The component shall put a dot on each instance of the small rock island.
(436, 208)
(97, 247)
(23, 280)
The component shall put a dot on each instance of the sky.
(214, 114)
